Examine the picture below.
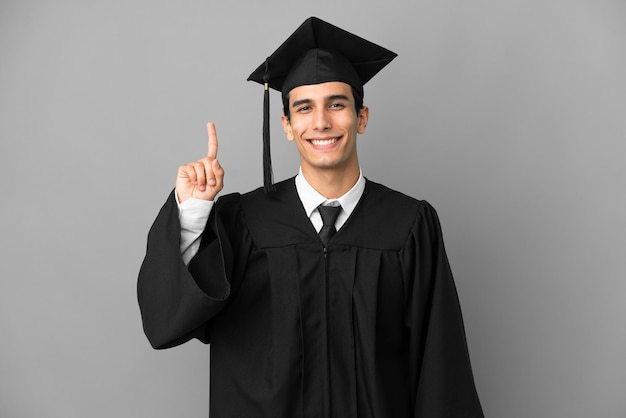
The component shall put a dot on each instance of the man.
(325, 295)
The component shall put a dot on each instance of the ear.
(363, 117)
(287, 127)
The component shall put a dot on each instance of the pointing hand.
(202, 179)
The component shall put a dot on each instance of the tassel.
(268, 177)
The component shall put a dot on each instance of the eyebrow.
(328, 99)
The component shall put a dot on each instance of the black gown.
(369, 327)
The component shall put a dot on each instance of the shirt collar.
(311, 199)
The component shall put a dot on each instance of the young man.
(325, 295)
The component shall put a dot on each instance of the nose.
(321, 121)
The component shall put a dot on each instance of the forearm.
(176, 304)
(193, 215)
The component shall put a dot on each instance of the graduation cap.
(317, 52)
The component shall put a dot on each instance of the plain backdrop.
(508, 116)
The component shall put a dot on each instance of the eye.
(303, 109)
(337, 105)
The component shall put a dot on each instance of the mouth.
(323, 142)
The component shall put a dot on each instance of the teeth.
(322, 142)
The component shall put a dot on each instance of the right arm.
(197, 185)
(175, 304)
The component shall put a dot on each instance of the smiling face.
(324, 125)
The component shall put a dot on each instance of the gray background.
(508, 116)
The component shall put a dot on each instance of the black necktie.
(329, 216)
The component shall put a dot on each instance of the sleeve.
(193, 216)
(442, 383)
(178, 301)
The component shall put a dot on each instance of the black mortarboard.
(317, 52)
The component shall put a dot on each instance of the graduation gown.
(368, 327)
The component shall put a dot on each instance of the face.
(324, 125)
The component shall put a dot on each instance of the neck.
(332, 183)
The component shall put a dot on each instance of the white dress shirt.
(194, 213)
(311, 199)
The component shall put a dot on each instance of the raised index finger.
(212, 140)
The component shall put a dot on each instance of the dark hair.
(358, 103)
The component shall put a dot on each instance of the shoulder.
(385, 218)
(393, 202)
(263, 212)
(417, 217)
(284, 194)
(258, 196)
